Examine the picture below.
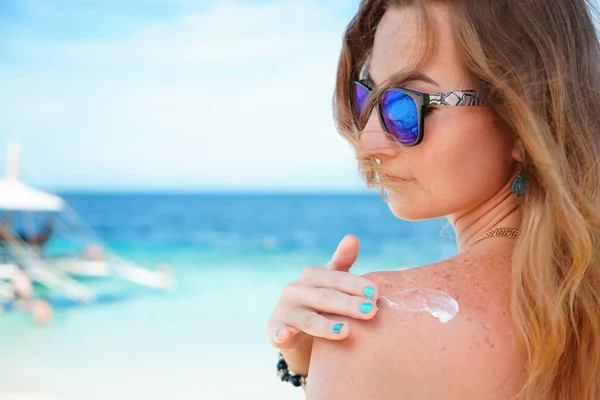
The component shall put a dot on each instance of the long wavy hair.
(539, 62)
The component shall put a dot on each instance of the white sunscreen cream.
(436, 302)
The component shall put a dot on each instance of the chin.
(405, 209)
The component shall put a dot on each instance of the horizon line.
(218, 191)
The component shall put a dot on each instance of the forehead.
(399, 42)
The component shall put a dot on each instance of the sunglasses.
(402, 111)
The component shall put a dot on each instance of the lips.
(394, 178)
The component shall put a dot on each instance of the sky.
(221, 95)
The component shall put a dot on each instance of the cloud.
(237, 95)
(226, 32)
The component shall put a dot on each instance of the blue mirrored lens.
(400, 116)
(359, 101)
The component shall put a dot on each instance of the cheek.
(468, 154)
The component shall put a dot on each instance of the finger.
(317, 325)
(332, 301)
(342, 281)
(280, 334)
(345, 255)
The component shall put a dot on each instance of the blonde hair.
(539, 62)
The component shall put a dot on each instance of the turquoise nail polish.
(366, 307)
(277, 334)
(337, 328)
(369, 291)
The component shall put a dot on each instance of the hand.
(330, 289)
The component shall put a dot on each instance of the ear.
(518, 151)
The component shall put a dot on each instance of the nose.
(375, 139)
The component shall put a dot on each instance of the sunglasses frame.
(454, 98)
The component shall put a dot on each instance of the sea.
(231, 255)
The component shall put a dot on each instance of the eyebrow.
(416, 76)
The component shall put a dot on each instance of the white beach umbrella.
(18, 196)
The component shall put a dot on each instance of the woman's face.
(466, 155)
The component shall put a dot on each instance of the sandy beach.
(237, 383)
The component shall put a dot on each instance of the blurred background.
(167, 167)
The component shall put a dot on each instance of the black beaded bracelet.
(283, 372)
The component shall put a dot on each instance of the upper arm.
(381, 358)
(399, 354)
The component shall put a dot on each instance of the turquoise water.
(231, 255)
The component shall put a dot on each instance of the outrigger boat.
(22, 249)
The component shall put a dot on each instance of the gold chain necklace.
(497, 232)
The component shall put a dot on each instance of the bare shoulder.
(442, 331)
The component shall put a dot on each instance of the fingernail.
(366, 307)
(277, 335)
(337, 328)
(369, 291)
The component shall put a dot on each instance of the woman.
(506, 146)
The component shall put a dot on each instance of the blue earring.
(519, 185)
